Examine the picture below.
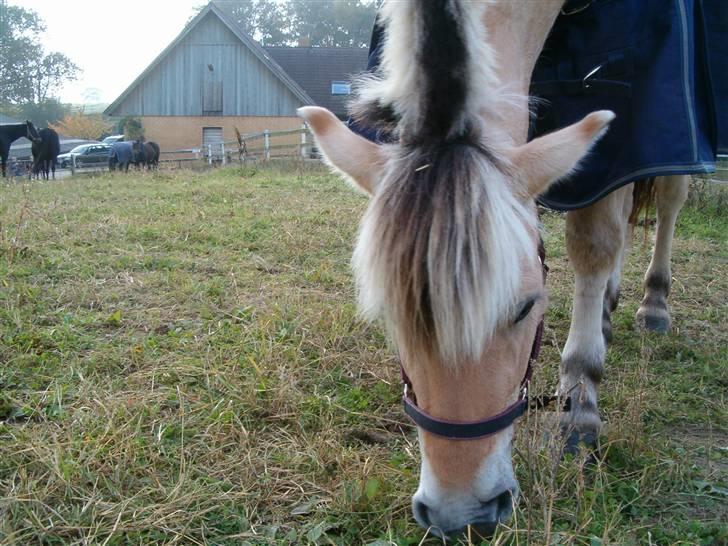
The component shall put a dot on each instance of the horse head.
(448, 249)
(31, 133)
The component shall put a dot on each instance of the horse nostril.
(505, 501)
(499, 506)
(421, 512)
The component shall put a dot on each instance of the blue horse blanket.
(660, 65)
(122, 151)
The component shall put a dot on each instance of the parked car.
(113, 138)
(86, 154)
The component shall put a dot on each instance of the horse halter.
(473, 430)
(29, 133)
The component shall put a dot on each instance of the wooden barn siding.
(174, 87)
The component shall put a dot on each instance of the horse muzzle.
(479, 521)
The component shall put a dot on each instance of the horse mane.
(443, 238)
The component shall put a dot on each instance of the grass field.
(181, 362)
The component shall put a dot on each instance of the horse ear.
(360, 160)
(554, 156)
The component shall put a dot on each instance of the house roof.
(4, 118)
(254, 46)
(315, 68)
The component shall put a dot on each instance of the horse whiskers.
(423, 167)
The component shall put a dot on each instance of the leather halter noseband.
(472, 430)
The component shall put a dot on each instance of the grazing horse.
(11, 132)
(449, 252)
(45, 153)
(121, 154)
(146, 153)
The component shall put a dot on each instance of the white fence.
(262, 146)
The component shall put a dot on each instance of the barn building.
(214, 77)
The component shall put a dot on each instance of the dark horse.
(12, 132)
(121, 154)
(146, 153)
(45, 153)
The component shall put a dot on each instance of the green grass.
(181, 361)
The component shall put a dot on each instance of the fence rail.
(251, 147)
(260, 146)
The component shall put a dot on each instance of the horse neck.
(14, 132)
(531, 22)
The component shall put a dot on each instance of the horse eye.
(524, 311)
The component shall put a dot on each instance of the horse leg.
(595, 240)
(611, 294)
(670, 195)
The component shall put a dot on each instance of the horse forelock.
(440, 250)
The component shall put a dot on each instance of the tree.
(83, 126)
(327, 23)
(132, 128)
(333, 23)
(267, 21)
(27, 73)
(43, 113)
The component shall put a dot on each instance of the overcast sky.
(112, 41)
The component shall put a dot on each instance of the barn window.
(340, 88)
(212, 98)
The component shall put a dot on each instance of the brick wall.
(182, 132)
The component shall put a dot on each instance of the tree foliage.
(79, 125)
(28, 74)
(131, 127)
(326, 23)
(42, 113)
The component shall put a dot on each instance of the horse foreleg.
(611, 294)
(670, 195)
(595, 240)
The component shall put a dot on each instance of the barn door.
(212, 98)
(212, 136)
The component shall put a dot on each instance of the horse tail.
(643, 197)
(439, 247)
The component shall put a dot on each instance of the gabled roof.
(248, 41)
(314, 68)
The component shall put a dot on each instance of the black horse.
(10, 133)
(45, 153)
(146, 153)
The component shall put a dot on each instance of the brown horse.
(448, 250)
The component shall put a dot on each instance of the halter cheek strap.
(456, 430)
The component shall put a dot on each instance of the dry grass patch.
(182, 362)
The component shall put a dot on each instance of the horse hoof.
(653, 322)
(577, 440)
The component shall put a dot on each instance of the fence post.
(266, 146)
(209, 154)
(222, 149)
(73, 164)
(303, 140)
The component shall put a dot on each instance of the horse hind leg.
(670, 195)
(595, 240)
